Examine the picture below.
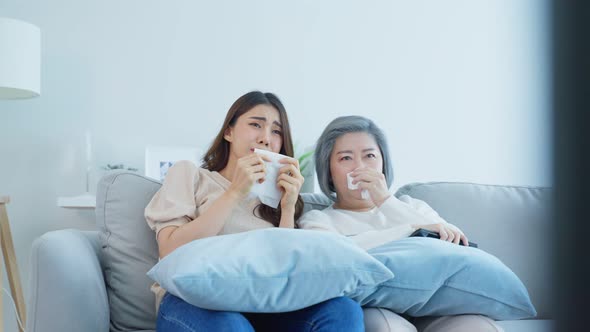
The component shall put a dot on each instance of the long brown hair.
(217, 157)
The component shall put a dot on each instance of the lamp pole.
(20, 68)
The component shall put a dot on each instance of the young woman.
(353, 150)
(198, 202)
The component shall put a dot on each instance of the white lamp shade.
(20, 59)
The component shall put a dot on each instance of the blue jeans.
(339, 314)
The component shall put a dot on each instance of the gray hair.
(325, 144)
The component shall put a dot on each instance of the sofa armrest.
(67, 289)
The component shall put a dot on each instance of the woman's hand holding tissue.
(249, 169)
(290, 181)
(374, 182)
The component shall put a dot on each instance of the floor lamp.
(20, 68)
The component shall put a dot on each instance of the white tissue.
(268, 192)
(364, 194)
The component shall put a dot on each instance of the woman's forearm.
(287, 218)
(208, 224)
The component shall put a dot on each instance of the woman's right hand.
(249, 169)
(447, 232)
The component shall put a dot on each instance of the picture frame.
(158, 159)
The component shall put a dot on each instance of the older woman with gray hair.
(354, 169)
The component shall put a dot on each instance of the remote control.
(426, 233)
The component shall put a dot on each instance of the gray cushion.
(129, 248)
(315, 201)
(510, 222)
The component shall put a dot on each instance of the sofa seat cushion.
(383, 320)
(528, 325)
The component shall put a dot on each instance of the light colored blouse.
(187, 192)
(391, 221)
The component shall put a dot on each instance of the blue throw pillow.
(438, 278)
(268, 270)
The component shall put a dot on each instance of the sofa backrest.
(512, 223)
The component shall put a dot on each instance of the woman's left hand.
(447, 232)
(290, 181)
(374, 182)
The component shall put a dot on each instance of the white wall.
(460, 86)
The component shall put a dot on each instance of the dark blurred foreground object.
(571, 146)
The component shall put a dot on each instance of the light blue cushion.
(437, 278)
(268, 270)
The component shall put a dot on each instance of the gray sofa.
(96, 281)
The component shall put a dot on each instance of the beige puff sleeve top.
(188, 191)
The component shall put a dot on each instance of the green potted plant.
(307, 168)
